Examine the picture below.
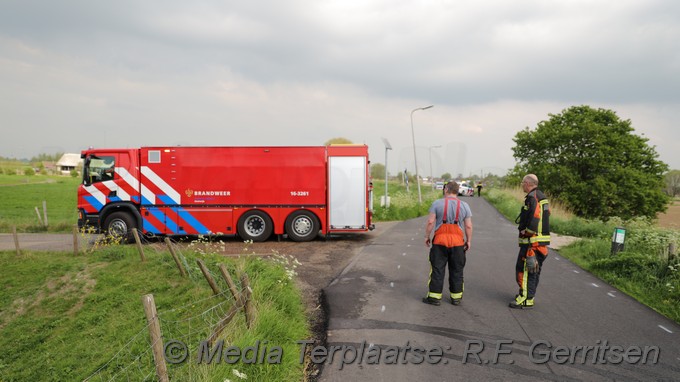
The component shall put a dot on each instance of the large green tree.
(593, 162)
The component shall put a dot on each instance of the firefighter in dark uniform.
(534, 238)
(448, 218)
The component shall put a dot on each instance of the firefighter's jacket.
(534, 219)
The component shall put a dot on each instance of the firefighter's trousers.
(528, 282)
(440, 256)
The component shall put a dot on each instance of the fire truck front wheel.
(120, 225)
(302, 226)
(255, 225)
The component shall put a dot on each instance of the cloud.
(127, 73)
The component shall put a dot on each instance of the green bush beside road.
(644, 270)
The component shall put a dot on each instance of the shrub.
(627, 265)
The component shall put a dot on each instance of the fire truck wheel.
(302, 226)
(120, 224)
(255, 225)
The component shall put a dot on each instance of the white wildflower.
(239, 374)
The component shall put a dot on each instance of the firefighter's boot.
(522, 302)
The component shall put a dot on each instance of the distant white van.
(465, 189)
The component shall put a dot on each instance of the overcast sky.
(126, 73)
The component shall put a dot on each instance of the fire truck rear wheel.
(302, 226)
(120, 224)
(255, 225)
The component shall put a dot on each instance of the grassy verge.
(19, 200)
(403, 204)
(69, 318)
(644, 270)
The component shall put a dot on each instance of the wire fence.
(188, 324)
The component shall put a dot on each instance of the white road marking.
(382, 309)
(399, 266)
(611, 295)
(666, 329)
(595, 285)
(403, 254)
(575, 271)
(392, 285)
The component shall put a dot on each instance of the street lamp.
(415, 159)
(432, 175)
(387, 147)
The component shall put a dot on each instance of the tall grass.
(403, 204)
(63, 317)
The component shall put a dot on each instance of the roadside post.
(618, 239)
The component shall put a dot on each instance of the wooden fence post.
(223, 323)
(230, 282)
(45, 211)
(671, 251)
(139, 244)
(208, 277)
(75, 240)
(247, 294)
(182, 271)
(37, 211)
(16, 240)
(156, 337)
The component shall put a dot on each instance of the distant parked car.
(465, 189)
(439, 185)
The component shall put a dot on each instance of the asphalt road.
(580, 330)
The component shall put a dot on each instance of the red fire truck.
(251, 192)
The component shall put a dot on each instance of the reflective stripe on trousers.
(440, 257)
(528, 282)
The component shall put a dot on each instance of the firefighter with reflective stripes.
(451, 221)
(534, 238)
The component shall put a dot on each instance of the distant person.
(448, 218)
(479, 189)
(534, 238)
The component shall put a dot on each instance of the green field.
(21, 194)
(67, 318)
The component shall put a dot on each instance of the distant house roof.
(49, 165)
(69, 160)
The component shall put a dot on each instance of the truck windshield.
(98, 169)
